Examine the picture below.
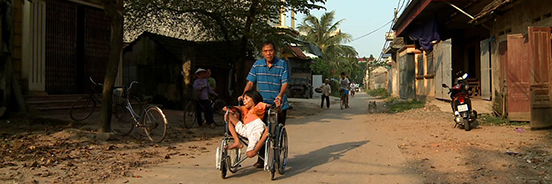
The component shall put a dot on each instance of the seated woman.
(251, 126)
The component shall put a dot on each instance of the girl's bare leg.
(260, 144)
(231, 127)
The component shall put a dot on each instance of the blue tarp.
(426, 33)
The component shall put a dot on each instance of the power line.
(372, 31)
(400, 5)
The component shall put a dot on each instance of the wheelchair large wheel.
(269, 157)
(282, 151)
(272, 171)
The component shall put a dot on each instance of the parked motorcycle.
(464, 115)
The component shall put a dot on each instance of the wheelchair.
(276, 148)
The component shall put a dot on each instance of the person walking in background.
(202, 91)
(326, 92)
(271, 75)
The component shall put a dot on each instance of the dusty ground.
(53, 151)
(440, 153)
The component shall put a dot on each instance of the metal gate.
(541, 105)
(442, 53)
(485, 70)
(518, 78)
(61, 53)
(97, 37)
(77, 46)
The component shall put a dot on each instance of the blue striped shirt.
(270, 80)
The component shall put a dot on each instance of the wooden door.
(485, 70)
(443, 68)
(541, 106)
(518, 78)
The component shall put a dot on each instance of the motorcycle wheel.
(467, 126)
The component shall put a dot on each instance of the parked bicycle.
(149, 118)
(190, 111)
(84, 107)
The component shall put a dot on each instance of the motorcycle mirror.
(465, 76)
(445, 86)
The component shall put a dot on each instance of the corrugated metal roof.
(298, 53)
(490, 9)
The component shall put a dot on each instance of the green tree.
(327, 35)
(246, 21)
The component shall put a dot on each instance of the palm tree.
(327, 35)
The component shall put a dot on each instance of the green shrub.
(395, 105)
(486, 119)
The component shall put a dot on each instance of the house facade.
(519, 49)
(504, 46)
(59, 44)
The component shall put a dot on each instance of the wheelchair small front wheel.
(234, 156)
(272, 170)
(224, 167)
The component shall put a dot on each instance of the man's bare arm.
(248, 87)
(283, 89)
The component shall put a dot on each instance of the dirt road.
(334, 146)
(326, 146)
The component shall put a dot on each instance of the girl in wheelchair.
(251, 125)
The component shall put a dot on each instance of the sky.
(361, 18)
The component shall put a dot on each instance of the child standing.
(326, 91)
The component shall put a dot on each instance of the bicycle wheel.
(82, 108)
(189, 114)
(282, 151)
(125, 124)
(120, 111)
(218, 115)
(154, 124)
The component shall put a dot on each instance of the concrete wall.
(378, 78)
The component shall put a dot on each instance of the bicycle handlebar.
(92, 80)
(130, 85)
